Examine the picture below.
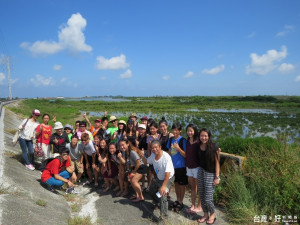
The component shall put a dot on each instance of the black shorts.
(180, 176)
(90, 161)
(142, 169)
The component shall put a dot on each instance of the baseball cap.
(36, 112)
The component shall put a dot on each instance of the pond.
(244, 123)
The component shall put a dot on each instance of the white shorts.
(192, 172)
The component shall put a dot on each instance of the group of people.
(125, 153)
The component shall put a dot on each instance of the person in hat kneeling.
(58, 171)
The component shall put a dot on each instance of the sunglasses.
(64, 154)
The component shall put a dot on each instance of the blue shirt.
(177, 158)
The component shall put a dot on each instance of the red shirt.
(54, 167)
(47, 131)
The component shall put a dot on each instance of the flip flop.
(202, 220)
(137, 200)
(132, 197)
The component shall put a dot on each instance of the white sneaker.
(30, 167)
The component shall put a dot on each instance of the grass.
(80, 221)
(269, 183)
(41, 202)
(75, 207)
(70, 197)
(3, 190)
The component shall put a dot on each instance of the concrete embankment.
(21, 194)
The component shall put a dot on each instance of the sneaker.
(30, 167)
(69, 190)
(87, 183)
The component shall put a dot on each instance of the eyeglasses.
(83, 140)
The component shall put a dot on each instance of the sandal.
(132, 197)
(174, 204)
(178, 207)
(214, 220)
(106, 189)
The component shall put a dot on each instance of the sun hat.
(36, 112)
(133, 115)
(144, 118)
(142, 126)
(112, 118)
(68, 126)
(97, 121)
(122, 122)
(58, 125)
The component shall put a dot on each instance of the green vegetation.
(269, 183)
(80, 221)
(41, 202)
(284, 120)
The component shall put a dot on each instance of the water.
(105, 99)
(263, 111)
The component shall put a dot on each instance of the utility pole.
(8, 77)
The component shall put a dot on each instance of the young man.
(87, 147)
(76, 157)
(58, 171)
(82, 130)
(164, 169)
(97, 125)
(59, 139)
(113, 129)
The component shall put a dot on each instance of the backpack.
(180, 142)
(46, 162)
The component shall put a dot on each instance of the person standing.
(208, 175)
(27, 133)
(59, 139)
(43, 133)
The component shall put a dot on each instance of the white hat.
(112, 118)
(58, 125)
(142, 126)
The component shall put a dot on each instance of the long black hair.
(211, 150)
(196, 135)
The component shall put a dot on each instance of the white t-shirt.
(29, 131)
(89, 149)
(161, 166)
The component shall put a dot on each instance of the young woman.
(27, 133)
(131, 132)
(192, 164)
(112, 167)
(208, 175)
(97, 163)
(123, 170)
(43, 133)
(164, 134)
(102, 157)
(153, 128)
(137, 168)
(177, 148)
(121, 132)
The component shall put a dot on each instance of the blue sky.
(145, 48)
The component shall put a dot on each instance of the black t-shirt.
(62, 141)
(143, 142)
(164, 140)
(204, 162)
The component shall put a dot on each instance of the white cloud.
(70, 37)
(42, 81)
(63, 79)
(166, 77)
(215, 70)
(264, 64)
(114, 63)
(2, 77)
(286, 68)
(57, 67)
(102, 78)
(126, 75)
(287, 29)
(297, 79)
(189, 74)
(252, 35)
